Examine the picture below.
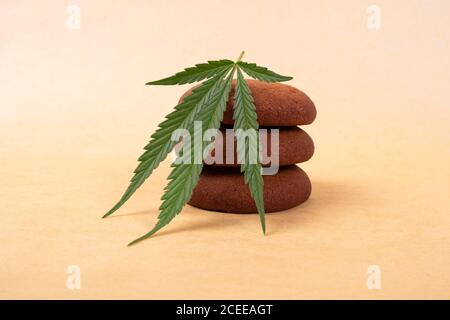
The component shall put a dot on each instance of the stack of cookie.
(221, 186)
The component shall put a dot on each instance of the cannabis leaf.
(244, 119)
(193, 74)
(261, 73)
(186, 173)
(206, 103)
(161, 144)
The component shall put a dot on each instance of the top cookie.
(277, 104)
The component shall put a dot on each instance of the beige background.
(74, 116)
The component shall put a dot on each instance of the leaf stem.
(240, 56)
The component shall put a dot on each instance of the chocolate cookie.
(277, 104)
(223, 189)
(294, 146)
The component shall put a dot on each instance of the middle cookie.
(294, 146)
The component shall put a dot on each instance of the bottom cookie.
(223, 189)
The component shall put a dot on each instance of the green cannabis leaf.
(193, 74)
(261, 73)
(160, 144)
(244, 119)
(207, 104)
(184, 176)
